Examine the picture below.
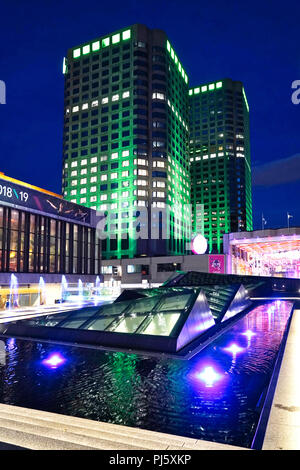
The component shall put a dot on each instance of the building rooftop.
(28, 185)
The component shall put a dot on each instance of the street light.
(289, 216)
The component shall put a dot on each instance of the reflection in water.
(216, 395)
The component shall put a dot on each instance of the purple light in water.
(209, 376)
(249, 334)
(234, 349)
(54, 360)
(11, 343)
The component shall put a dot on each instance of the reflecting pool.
(217, 395)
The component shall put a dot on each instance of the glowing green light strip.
(246, 101)
(175, 59)
(204, 88)
(106, 41)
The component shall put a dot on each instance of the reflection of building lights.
(209, 376)
(54, 360)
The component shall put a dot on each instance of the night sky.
(256, 42)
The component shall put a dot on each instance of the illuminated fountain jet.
(13, 292)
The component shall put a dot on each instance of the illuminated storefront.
(43, 237)
(264, 252)
(42, 233)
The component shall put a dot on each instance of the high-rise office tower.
(126, 140)
(220, 160)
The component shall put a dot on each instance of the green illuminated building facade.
(220, 160)
(125, 148)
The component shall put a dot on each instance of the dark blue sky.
(256, 42)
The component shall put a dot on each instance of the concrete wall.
(187, 263)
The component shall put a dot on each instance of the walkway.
(40, 430)
(283, 428)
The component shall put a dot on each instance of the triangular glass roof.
(156, 314)
(161, 319)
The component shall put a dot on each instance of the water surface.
(217, 395)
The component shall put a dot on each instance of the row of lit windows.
(95, 103)
(155, 184)
(126, 204)
(121, 194)
(101, 43)
(139, 161)
(116, 97)
(112, 175)
(206, 157)
(204, 88)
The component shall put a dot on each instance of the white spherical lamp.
(199, 245)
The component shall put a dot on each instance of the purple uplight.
(54, 360)
(209, 376)
(234, 349)
(11, 343)
(249, 334)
